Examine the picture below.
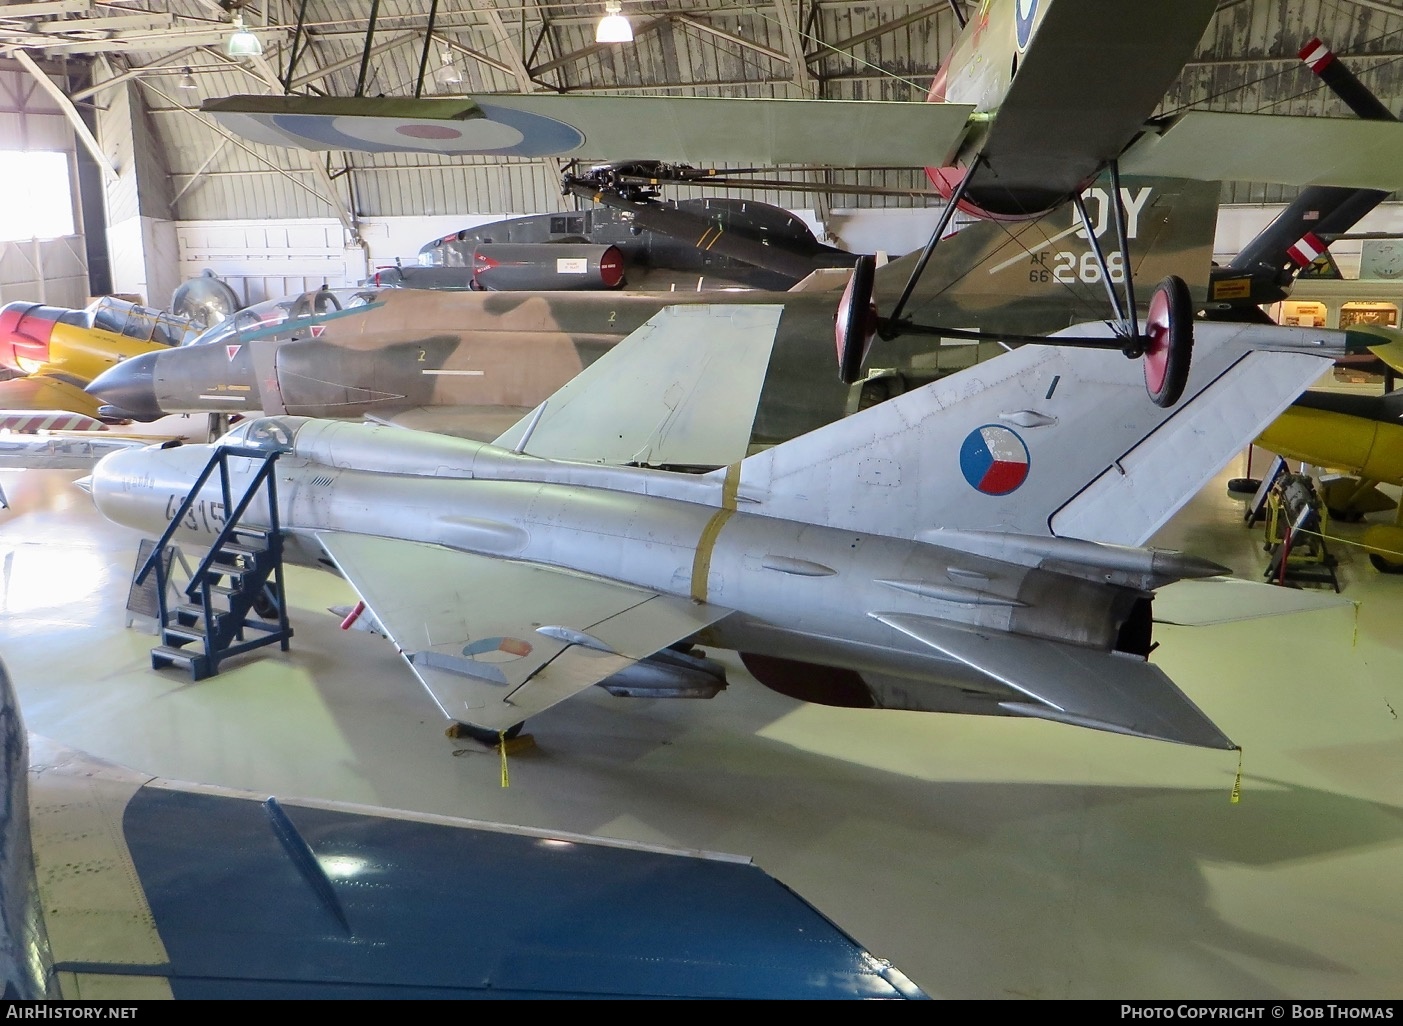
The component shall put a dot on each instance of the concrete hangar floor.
(985, 858)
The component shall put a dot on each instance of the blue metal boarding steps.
(242, 574)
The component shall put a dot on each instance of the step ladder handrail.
(232, 516)
(218, 459)
(221, 632)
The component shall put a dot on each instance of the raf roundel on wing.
(1027, 11)
(500, 130)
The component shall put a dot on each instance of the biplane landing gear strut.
(893, 323)
(857, 322)
(1164, 346)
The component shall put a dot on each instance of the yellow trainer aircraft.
(1361, 435)
(53, 353)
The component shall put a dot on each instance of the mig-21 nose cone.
(128, 389)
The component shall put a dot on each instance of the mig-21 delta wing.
(966, 547)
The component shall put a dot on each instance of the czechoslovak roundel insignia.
(994, 459)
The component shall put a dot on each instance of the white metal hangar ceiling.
(167, 56)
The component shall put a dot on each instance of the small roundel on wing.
(476, 133)
(994, 460)
(1026, 11)
(422, 131)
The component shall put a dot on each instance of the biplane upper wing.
(1202, 145)
(1273, 148)
(1055, 90)
(669, 128)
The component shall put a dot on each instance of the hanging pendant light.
(613, 27)
(448, 73)
(242, 43)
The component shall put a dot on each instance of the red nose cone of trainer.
(24, 335)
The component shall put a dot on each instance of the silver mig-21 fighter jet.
(968, 547)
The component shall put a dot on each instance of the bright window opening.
(40, 202)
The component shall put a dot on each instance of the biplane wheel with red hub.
(856, 324)
(1169, 341)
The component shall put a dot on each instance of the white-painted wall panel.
(400, 238)
(43, 130)
(50, 271)
(30, 119)
(162, 261)
(127, 259)
(261, 260)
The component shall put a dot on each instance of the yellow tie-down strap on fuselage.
(701, 562)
